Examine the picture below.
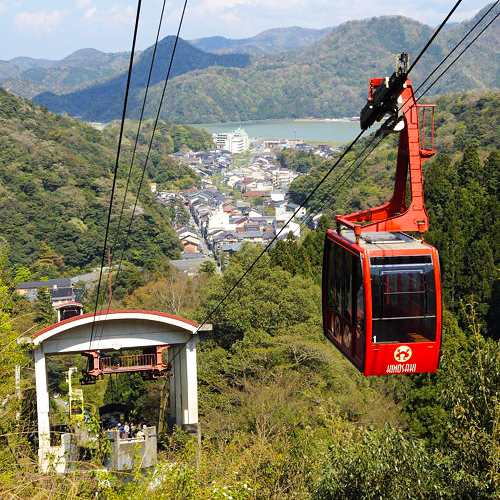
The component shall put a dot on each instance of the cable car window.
(346, 297)
(403, 294)
(404, 303)
(344, 280)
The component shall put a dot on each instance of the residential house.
(61, 290)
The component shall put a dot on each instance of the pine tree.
(470, 168)
(45, 313)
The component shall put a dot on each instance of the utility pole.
(18, 388)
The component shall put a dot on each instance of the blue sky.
(52, 29)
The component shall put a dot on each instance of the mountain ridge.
(271, 41)
(324, 80)
(100, 99)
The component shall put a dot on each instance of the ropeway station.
(152, 332)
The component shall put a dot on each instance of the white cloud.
(89, 13)
(41, 21)
(83, 3)
(3, 6)
(114, 16)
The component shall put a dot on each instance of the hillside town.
(243, 197)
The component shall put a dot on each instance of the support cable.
(451, 52)
(436, 33)
(457, 45)
(117, 232)
(124, 248)
(153, 57)
(456, 58)
(127, 88)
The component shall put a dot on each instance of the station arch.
(116, 330)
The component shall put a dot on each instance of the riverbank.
(331, 120)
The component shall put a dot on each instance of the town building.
(235, 142)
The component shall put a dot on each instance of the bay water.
(322, 131)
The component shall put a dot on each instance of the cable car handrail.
(127, 361)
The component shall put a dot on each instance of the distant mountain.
(104, 101)
(271, 41)
(330, 78)
(326, 79)
(28, 77)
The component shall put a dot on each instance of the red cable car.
(381, 286)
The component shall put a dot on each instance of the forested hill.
(55, 183)
(104, 101)
(327, 79)
(28, 77)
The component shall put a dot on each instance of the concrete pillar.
(174, 387)
(189, 386)
(183, 409)
(42, 408)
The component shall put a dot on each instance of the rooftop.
(58, 282)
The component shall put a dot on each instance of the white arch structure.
(121, 329)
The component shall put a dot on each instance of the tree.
(268, 299)
(45, 313)
(371, 464)
(208, 267)
(461, 199)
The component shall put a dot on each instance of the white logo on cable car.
(402, 353)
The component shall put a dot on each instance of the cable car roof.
(389, 240)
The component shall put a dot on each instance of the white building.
(283, 177)
(236, 142)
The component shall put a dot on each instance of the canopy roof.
(115, 329)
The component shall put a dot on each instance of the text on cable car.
(408, 368)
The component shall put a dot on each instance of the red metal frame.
(395, 215)
(146, 362)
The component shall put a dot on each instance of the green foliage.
(301, 161)
(45, 312)
(462, 198)
(13, 433)
(455, 410)
(128, 389)
(270, 300)
(58, 167)
(372, 464)
(302, 257)
(208, 267)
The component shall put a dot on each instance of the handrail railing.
(127, 361)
